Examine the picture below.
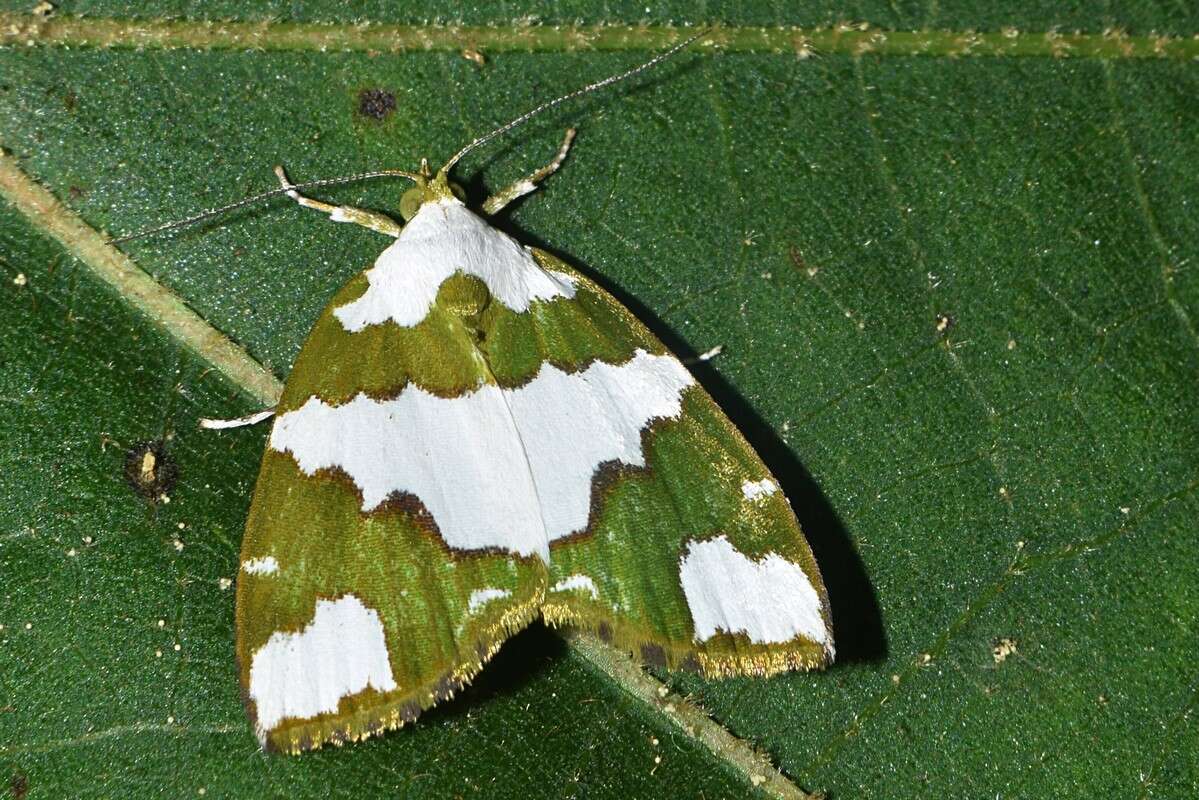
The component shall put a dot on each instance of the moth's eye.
(464, 295)
(410, 202)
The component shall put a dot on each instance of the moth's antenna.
(591, 87)
(213, 212)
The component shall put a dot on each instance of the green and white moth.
(476, 435)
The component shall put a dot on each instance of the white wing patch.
(577, 582)
(443, 238)
(506, 468)
(481, 597)
(461, 457)
(755, 489)
(260, 566)
(770, 600)
(340, 653)
(571, 423)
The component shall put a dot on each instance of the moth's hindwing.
(693, 559)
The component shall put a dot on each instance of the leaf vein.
(1167, 268)
(22, 30)
(117, 731)
(1172, 729)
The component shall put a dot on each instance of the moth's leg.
(528, 184)
(237, 422)
(359, 216)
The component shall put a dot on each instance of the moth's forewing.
(424, 615)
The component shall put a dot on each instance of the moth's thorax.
(445, 215)
(443, 239)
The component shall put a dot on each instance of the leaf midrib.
(846, 39)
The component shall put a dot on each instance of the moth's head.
(428, 188)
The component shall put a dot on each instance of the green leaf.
(960, 321)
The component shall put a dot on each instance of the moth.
(475, 436)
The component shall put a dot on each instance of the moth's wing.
(351, 621)
(687, 552)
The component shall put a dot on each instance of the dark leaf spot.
(376, 103)
(18, 786)
(150, 470)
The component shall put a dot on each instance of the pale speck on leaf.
(1002, 649)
